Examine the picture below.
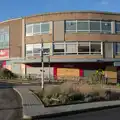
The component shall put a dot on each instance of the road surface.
(111, 114)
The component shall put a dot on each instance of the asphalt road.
(111, 114)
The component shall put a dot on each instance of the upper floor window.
(37, 28)
(45, 27)
(71, 26)
(95, 26)
(106, 27)
(59, 48)
(71, 47)
(117, 27)
(117, 48)
(35, 49)
(88, 26)
(81, 48)
(82, 26)
(4, 37)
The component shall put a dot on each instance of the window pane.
(46, 48)
(83, 43)
(58, 49)
(106, 27)
(95, 26)
(29, 29)
(71, 26)
(118, 48)
(117, 27)
(29, 49)
(96, 48)
(5, 45)
(83, 48)
(1, 45)
(6, 37)
(44, 27)
(36, 28)
(58, 46)
(82, 26)
(37, 49)
(71, 48)
(1, 37)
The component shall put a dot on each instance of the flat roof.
(62, 12)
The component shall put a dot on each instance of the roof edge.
(63, 12)
(10, 20)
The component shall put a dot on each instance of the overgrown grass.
(71, 92)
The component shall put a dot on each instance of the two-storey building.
(74, 43)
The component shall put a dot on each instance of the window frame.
(71, 43)
(59, 43)
(95, 31)
(5, 42)
(117, 43)
(82, 53)
(83, 21)
(41, 28)
(97, 43)
(29, 55)
(106, 31)
(29, 34)
(67, 21)
(34, 33)
(116, 23)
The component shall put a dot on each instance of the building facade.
(74, 44)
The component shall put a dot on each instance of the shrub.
(5, 73)
(71, 91)
(75, 96)
(50, 91)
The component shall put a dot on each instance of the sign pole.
(42, 61)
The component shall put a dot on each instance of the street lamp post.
(42, 61)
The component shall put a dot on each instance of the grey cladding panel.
(59, 31)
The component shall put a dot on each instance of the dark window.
(95, 26)
(118, 48)
(95, 48)
(106, 27)
(58, 49)
(117, 27)
(82, 26)
(83, 48)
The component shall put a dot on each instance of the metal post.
(42, 61)
(49, 66)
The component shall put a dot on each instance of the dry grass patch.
(70, 92)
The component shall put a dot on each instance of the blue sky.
(17, 8)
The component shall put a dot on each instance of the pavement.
(31, 104)
(33, 107)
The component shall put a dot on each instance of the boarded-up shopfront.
(111, 73)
